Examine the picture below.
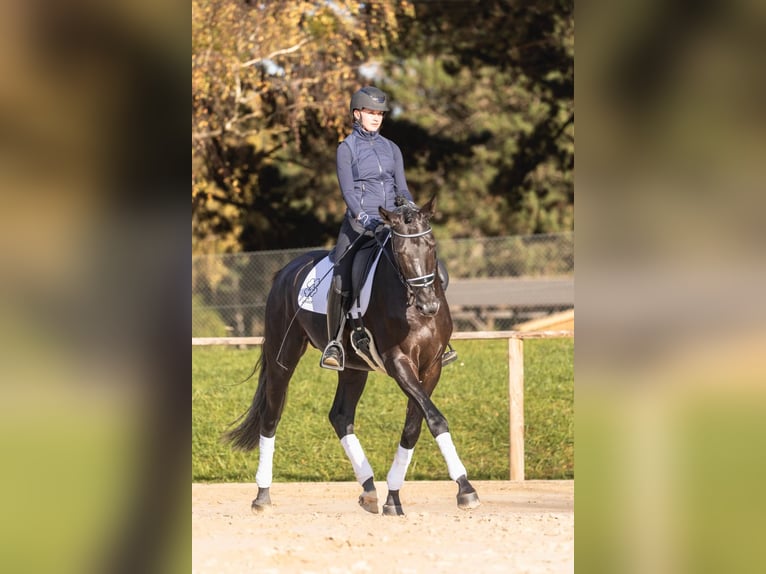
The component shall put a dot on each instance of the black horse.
(410, 326)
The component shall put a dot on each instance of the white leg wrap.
(454, 466)
(265, 458)
(355, 454)
(402, 458)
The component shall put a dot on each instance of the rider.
(371, 174)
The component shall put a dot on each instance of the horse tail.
(273, 377)
(246, 434)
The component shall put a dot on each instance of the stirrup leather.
(341, 357)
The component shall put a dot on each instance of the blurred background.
(671, 327)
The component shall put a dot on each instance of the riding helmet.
(370, 98)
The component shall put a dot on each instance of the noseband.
(423, 280)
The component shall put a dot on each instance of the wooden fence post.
(516, 407)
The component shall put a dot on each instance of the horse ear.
(429, 208)
(390, 217)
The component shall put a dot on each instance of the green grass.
(472, 394)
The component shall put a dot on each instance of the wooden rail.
(515, 379)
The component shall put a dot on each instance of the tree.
(270, 85)
(483, 112)
(488, 92)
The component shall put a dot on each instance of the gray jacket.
(370, 173)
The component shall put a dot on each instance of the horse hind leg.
(350, 387)
(263, 476)
(368, 500)
(404, 451)
(395, 480)
(278, 375)
(260, 422)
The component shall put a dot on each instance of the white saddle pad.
(313, 293)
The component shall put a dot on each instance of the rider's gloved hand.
(372, 224)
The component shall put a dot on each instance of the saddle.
(362, 265)
(361, 339)
(313, 296)
(314, 292)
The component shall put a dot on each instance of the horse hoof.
(468, 501)
(392, 510)
(259, 508)
(262, 503)
(369, 501)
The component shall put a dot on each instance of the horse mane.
(406, 208)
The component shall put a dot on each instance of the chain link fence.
(229, 291)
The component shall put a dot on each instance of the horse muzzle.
(428, 308)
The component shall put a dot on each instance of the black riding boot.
(333, 356)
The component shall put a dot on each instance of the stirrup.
(328, 362)
(449, 356)
(360, 339)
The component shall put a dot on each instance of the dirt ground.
(520, 527)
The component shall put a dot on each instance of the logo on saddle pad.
(313, 293)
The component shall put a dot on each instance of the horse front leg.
(467, 498)
(395, 478)
(421, 406)
(350, 387)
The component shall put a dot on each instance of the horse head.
(414, 249)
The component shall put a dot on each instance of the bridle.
(411, 283)
(423, 280)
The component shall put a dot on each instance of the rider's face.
(371, 119)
